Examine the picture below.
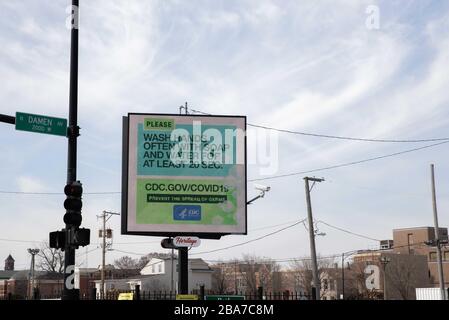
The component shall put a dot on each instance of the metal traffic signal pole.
(70, 293)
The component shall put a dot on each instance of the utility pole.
(172, 284)
(105, 216)
(343, 276)
(316, 278)
(235, 276)
(437, 235)
(33, 253)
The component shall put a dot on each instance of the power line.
(299, 259)
(347, 231)
(89, 251)
(56, 193)
(130, 252)
(249, 241)
(317, 135)
(22, 241)
(348, 138)
(139, 242)
(347, 164)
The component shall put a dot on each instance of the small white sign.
(186, 241)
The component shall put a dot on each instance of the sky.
(322, 67)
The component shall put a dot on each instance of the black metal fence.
(138, 294)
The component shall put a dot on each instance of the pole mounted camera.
(263, 189)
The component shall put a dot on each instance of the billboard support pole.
(183, 272)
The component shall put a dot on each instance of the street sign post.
(224, 297)
(186, 297)
(41, 124)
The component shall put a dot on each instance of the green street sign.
(41, 124)
(214, 297)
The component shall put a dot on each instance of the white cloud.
(30, 184)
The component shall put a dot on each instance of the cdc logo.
(187, 212)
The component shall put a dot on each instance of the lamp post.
(33, 252)
(384, 261)
(344, 256)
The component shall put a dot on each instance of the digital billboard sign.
(184, 175)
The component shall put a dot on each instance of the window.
(446, 256)
(332, 285)
(432, 256)
(410, 243)
(159, 268)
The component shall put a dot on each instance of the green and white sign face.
(186, 174)
(41, 124)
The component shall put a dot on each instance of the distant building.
(17, 284)
(413, 241)
(403, 274)
(85, 277)
(246, 277)
(9, 263)
(157, 276)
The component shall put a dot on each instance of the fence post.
(137, 292)
(93, 293)
(260, 293)
(202, 292)
(313, 293)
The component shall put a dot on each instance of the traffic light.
(57, 240)
(81, 237)
(73, 203)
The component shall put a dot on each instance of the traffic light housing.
(81, 237)
(57, 240)
(73, 203)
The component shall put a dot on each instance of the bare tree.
(144, 259)
(355, 282)
(258, 272)
(303, 271)
(219, 278)
(126, 262)
(402, 277)
(50, 259)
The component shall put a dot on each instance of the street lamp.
(384, 261)
(33, 252)
(343, 257)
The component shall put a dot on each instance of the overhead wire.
(318, 135)
(347, 164)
